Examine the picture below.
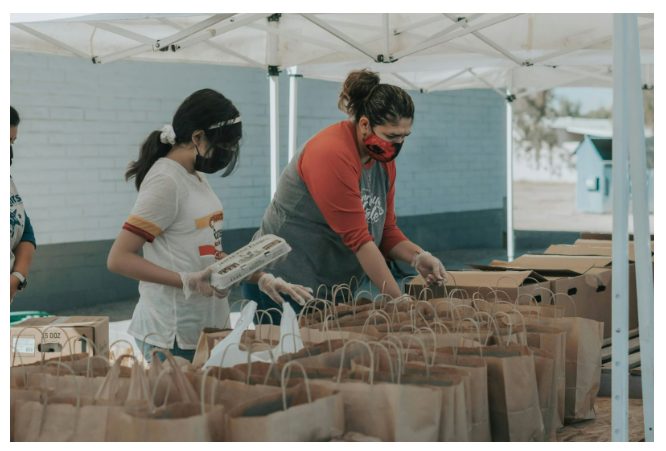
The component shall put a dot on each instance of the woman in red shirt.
(334, 201)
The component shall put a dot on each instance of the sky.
(589, 98)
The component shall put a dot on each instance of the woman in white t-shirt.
(177, 222)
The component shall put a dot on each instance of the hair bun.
(356, 89)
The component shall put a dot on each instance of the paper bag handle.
(342, 359)
(377, 313)
(478, 332)
(425, 354)
(284, 384)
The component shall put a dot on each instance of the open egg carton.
(261, 254)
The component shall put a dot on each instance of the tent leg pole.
(274, 81)
(642, 248)
(293, 113)
(620, 187)
(510, 243)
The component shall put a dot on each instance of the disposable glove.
(199, 283)
(272, 286)
(430, 268)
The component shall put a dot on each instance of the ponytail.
(363, 95)
(152, 149)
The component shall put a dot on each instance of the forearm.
(136, 267)
(23, 255)
(375, 268)
(404, 251)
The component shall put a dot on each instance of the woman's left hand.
(430, 268)
(273, 286)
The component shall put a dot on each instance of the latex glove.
(272, 286)
(199, 283)
(430, 268)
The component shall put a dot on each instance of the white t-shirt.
(181, 217)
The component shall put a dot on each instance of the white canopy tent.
(421, 51)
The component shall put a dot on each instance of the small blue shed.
(594, 165)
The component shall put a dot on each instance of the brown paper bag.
(178, 422)
(63, 422)
(553, 340)
(544, 366)
(477, 369)
(453, 384)
(306, 412)
(513, 399)
(584, 338)
(390, 412)
(226, 392)
(169, 383)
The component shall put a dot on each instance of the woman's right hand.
(199, 283)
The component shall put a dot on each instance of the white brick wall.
(82, 124)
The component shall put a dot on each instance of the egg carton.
(261, 254)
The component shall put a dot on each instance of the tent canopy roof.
(421, 51)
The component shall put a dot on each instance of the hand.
(273, 286)
(13, 286)
(199, 283)
(430, 268)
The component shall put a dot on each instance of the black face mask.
(11, 154)
(218, 161)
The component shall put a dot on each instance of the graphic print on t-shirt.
(373, 206)
(214, 222)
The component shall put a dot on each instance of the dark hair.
(14, 118)
(363, 95)
(199, 111)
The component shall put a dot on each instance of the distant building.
(594, 167)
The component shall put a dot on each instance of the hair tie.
(168, 135)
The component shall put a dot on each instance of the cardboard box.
(587, 279)
(604, 236)
(513, 283)
(45, 338)
(565, 249)
(604, 243)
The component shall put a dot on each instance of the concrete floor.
(552, 206)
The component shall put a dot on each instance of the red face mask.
(380, 150)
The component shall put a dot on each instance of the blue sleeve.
(28, 233)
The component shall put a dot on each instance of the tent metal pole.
(189, 31)
(386, 46)
(487, 83)
(301, 38)
(340, 35)
(620, 187)
(586, 74)
(293, 111)
(324, 55)
(489, 42)
(274, 82)
(236, 22)
(446, 80)
(123, 54)
(274, 85)
(49, 39)
(575, 48)
(424, 22)
(215, 45)
(642, 248)
(431, 42)
(122, 32)
(405, 81)
(510, 241)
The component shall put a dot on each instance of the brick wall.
(82, 124)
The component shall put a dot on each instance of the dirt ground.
(552, 206)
